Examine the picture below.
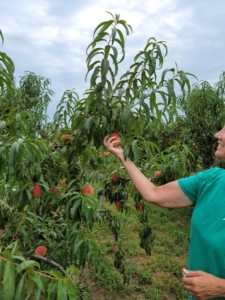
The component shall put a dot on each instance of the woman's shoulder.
(211, 174)
(212, 171)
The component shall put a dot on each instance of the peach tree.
(49, 169)
(117, 105)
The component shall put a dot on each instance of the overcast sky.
(49, 37)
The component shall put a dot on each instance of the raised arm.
(168, 195)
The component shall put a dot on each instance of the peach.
(114, 177)
(88, 190)
(118, 205)
(37, 192)
(66, 138)
(116, 141)
(41, 250)
(139, 207)
(63, 182)
(55, 190)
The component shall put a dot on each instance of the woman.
(205, 274)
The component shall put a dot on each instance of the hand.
(109, 144)
(202, 285)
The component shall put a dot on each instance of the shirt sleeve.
(190, 186)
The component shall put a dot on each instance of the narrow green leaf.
(56, 273)
(75, 208)
(121, 39)
(125, 25)
(38, 279)
(83, 254)
(164, 73)
(93, 53)
(170, 89)
(37, 295)
(108, 12)
(115, 67)
(62, 290)
(73, 292)
(2, 37)
(9, 281)
(135, 150)
(104, 25)
(105, 68)
(95, 75)
(12, 153)
(98, 38)
(106, 52)
(113, 36)
(30, 284)
(20, 289)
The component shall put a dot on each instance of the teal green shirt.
(207, 236)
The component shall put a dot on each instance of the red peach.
(114, 177)
(37, 192)
(116, 141)
(88, 190)
(55, 190)
(41, 250)
(139, 207)
(118, 205)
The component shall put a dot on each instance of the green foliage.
(34, 153)
(6, 69)
(24, 279)
(112, 105)
(22, 105)
(204, 111)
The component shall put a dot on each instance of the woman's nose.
(218, 136)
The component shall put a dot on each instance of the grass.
(155, 277)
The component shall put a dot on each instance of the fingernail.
(185, 273)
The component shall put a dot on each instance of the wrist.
(122, 159)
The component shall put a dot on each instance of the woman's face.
(220, 136)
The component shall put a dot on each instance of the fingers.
(105, 141)
(109, 142)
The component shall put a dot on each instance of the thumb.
(188, 273)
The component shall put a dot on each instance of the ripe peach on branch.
(88, 190)
(139, 207)
(37, 192)
(114, 177)
(66, 138)
(118, 205)
(41, 250)
(63, 182)
(55, 190)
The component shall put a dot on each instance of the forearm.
(220, 287)
(141, 182)
(167, 195)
